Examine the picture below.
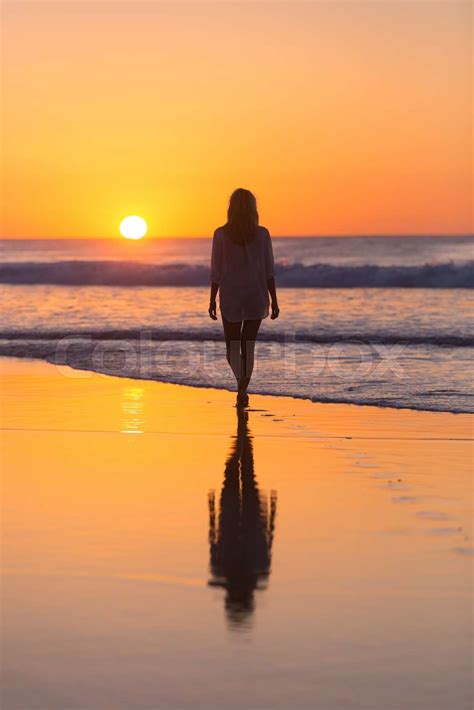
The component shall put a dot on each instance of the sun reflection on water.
(133, 399)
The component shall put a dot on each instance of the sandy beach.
(110, 597)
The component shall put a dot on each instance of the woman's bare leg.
(232, 333)
(248, 338)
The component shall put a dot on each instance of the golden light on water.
(133, 227)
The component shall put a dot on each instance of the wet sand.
(160, 553)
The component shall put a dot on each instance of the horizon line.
(381, 235)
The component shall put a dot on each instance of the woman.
(243, 273)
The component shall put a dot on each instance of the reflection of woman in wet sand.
(241, 540)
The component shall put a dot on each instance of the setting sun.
(133, 227)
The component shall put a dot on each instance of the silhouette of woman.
(242, 271)
(241, 534)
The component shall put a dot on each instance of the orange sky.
(343, 117)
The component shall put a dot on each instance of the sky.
(344, 117)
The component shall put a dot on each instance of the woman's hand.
(213, 310)
(275, 311)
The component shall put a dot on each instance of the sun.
(133, 227)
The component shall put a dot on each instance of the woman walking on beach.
(242, 272)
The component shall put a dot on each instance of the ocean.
(385, 321)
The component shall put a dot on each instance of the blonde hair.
(242, 216)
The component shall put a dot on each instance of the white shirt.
(242, 272)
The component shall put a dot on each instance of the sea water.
(381, 320)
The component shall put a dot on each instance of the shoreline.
(286, 406)
(206, 386)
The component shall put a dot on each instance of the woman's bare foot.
(242, 399)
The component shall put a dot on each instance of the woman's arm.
(270, 269)
(216, 271)
(273, 295)
(212, 300)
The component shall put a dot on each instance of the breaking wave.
(128, 273)
(326, 337)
